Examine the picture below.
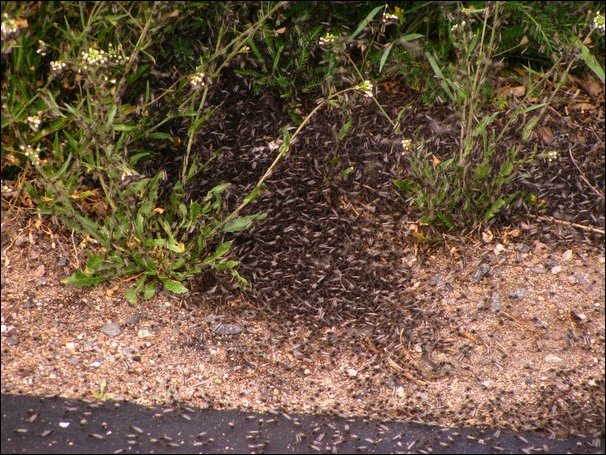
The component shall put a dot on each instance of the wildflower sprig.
(599, 23)
(328, 38)
(32, 154)
(366, 88)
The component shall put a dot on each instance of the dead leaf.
(40, 271)
(487, 236)
(546, 135)
(583, 107)
(516, 92)
(435, 161)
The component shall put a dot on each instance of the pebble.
(556, 269)
(552, 358)
(144, 333)
(134, 318)
(522, 248)
(495, 302)
(480, 273)
(519, 294)
(112, 329)
(581, 278)
(12, 341)
(70, 345)
(227, 329)
(352, 373)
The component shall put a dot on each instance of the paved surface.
(53, 425)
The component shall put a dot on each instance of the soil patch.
(346, 314)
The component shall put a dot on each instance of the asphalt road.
(54, 425)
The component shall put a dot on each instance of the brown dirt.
(538, 363)
(346, 313)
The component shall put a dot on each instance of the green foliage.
(81, 110)
(477, 183)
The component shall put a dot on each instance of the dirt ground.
(346, 314)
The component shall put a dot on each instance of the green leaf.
(243, 222)
(149, 290)
(93, 264)
(174, 286)
(494, 209)
(365, 22)
(131, 295)
(404, 185)
(110, 117)
(529, 127)
(80, 279)
(227, 265)
(220, 251)
(591, 61)
(344, 129)
(384, 56)
(175, 246)
(124, 127)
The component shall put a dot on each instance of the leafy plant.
(78, 121)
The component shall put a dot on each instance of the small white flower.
(34, 122)
(197, 80)
(57, 66)
(42, 48)
(327, 39)
(31, 153)
(9, 26)
(598, 22)
(389, 17)
(366, 87)
(551, 155)
(406, 144)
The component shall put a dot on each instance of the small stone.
(12, 341)
(567, 256)
(519, 294)
(552, 358)
(495, 302)
(498, 249)
(144, 333)
(70, 345)
(112, 329)
(73, 360)
(227, 329)
(556, 269)
(486, 384)
(539, 269)
(61, 262)
(522, 248)
(64, 424)
(581, 278)
(95, 364)
(352, 373)
(134, 318)
(3, 328)
(480, 273)
(400, 391)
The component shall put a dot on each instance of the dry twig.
(567, 223)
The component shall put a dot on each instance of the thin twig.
(567, 223)
(583, 176)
